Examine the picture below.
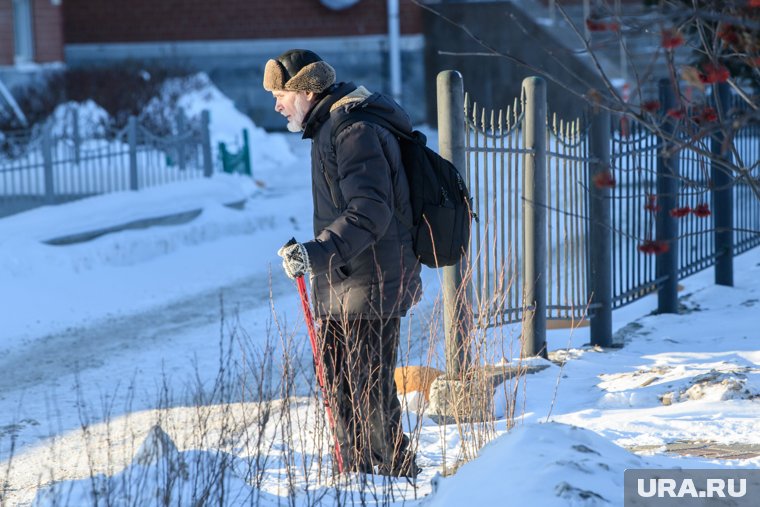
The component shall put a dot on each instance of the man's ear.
(310, 96)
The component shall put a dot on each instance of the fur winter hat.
(298, 70)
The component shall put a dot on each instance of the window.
(22, 31)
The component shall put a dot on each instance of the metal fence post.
(600, 232)
(47, 161)
(456, 311)
(722, 192)
(181, 128)
(534, 218)
(666, 264)
(132, 140)
(208, 163)
(76, 135)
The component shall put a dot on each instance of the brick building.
(232, 39)
(152, 21)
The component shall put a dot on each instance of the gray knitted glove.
(295, 260)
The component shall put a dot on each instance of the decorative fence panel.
(567, 206)
(696, 249)
(43, 167)
(494, 169)
(495, 151)
(747, 189)
(633, 154)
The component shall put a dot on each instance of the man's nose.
(277, 106)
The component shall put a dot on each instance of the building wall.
(96, 21)
(6, 32)
(48, 31)
(237, 67)
(231, 40)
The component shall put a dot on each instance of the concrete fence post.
(181, 129)
(132, 140)
(76, 135)
(456, 312)
(47, 164)
(722, 191)
(600, 232)
(666, 263)
(534, 218)
(208, 162)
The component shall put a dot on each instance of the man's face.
(294, 106)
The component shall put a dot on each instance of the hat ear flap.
(274, 76)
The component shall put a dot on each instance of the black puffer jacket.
(361, 258)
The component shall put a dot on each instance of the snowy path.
(123, 359)
(93, 346)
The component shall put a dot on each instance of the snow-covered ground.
(103, 340)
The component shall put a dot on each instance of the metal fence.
(46, 167)
(681, 198)
(746, 201)
(634, 162)
(495, 162)
(570, 210)
(493, 167)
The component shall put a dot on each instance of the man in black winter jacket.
(363, 271)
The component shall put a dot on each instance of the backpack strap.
(364, 115)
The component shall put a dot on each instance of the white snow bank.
(158, 474)
(559, 464)
(92, 119)
(117, 208)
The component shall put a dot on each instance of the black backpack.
(441, 210)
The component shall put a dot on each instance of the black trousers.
(360, 358)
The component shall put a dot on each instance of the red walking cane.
(318, 365)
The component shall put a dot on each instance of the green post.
(224, 156)
(246, 154)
